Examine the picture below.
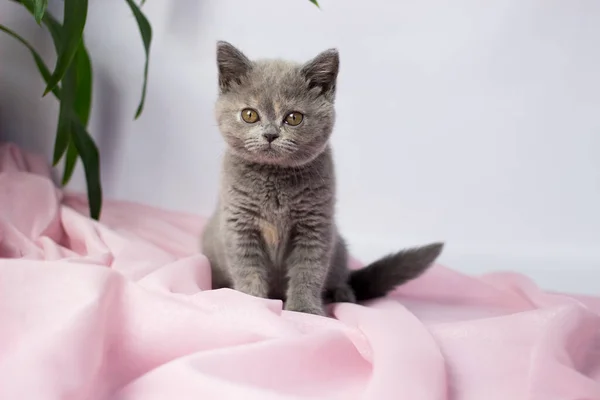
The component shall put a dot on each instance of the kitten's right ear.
(232, 64)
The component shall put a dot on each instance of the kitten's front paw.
(305, 308)
(253, 287)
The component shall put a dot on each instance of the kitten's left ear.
(322, 72)
(232, 64)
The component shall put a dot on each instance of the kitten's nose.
(270, 136)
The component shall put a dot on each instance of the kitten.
(273, 233)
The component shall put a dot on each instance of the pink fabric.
(122, 309)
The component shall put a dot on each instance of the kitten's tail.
(385, 274)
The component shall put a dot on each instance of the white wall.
(473, 122)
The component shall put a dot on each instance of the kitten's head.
(276, 112)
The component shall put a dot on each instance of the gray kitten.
(273, 233)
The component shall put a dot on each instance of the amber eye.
(293, 118)
(249, 115)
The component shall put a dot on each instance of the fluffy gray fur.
(273, 233)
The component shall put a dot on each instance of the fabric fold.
(122, 309)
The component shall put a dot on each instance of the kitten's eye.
(249, 115)
(293, 118)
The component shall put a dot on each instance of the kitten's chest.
(274, 217)
(273, 196)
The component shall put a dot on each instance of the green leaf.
(55, 29)
(51, 23)
(79, 101)
(39, 9)
(70, 162)
(75, 14)
(91, 164)
(146, 32)
(83, 92)
(78, 141)
(83, 95)
(39, 62)
(65, 113)
(83, 101)
(315, 3)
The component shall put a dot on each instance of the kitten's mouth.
(270, 153)
(269, 148)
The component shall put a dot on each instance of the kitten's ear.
(322, 72)
(232, 64)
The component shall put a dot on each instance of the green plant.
(71, 84)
